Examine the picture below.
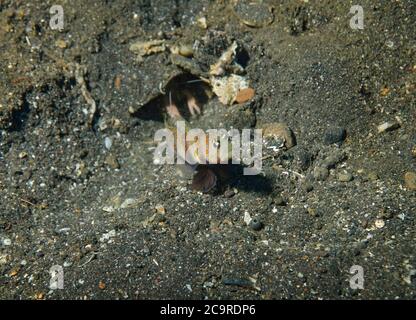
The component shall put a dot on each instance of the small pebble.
(256, 224)
(22, 155)
(101, 285)
(7, 242)
(39, 296)
(372, 176)
(247, 218)
(108, 143)
(345, 177)
(245, 95)
(388, 126)
(14, 272)
(112, 161)
(61, 44)
(320, 173)
(335, 135)
(379, 223)
(160, 209)
(280, 131)
(202, 23)
(410, 180)
(414, 152)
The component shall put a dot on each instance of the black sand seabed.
(121, 227)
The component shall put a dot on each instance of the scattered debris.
(146, 48)
(410, 180)
(218, 68)
(6, 242)
(160, 209)
(182, 50)
(23, 155)
(14, 272)
(202, 22)
(148, 221)
(108, 143)
(80, 72)
(388, 126)
(227, 88)
(117, 82)
(92, 256)
(280, 131)
(247, 218)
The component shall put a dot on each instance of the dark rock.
(335, 135)
(83, 153)
(256, 224)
